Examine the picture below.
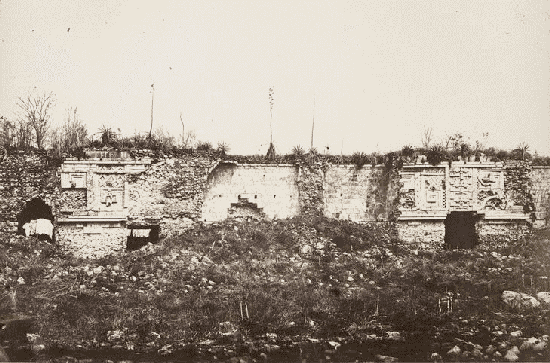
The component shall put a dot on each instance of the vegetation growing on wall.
(383, 198)
(517, 185)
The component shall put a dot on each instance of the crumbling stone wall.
(170, 191)
(92, 240)
(361, 194)
(518, 185)
(346, 192)
(496, 234)
(428, 234)
(311, 184)
(24, 176)
(177, 192)
(71, 200)
(540, 190)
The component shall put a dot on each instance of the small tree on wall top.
(36, 115)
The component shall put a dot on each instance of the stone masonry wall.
(540, 179)
(360, 194)
(346, 192)
(178, 192)
(22, 178)
(171, 191)
(89, 240)
(493, 234)
(425, 234)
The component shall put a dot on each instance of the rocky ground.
(302, 290)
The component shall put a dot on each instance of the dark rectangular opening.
(137, 240)
(460, 230)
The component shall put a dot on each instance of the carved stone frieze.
(111, 181)
(458, 187)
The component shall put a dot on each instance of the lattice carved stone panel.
(433, 191)
(461, 189)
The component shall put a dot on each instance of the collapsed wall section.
(170, 192)
(24, 177)
(251, 190)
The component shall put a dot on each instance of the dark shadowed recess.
(460, 230)
(36, 208)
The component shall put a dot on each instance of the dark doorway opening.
(136, 240)
(36, 209)
(460, 230)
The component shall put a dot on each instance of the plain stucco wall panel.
(273, 189)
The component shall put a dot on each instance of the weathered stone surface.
(92, 241)
(512, 355)
(519, 300)
(176, 192)
(454, 351)
(22, 178)
(544, 297)
(426, 234)
(254, 191)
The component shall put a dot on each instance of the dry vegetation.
(260, 290)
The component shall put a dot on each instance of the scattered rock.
(335, 345)
(541, 345)
(528, 344)
(306, 250)
(385, 358)
(490, 349)
(476, 353)
(454, 351)
(519, 300)
(544, 297)
(272, 348)
(227, 328)
(394, 335)
(512, 354)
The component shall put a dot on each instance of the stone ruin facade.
(434, 197)
(94, 203)
(108, 203)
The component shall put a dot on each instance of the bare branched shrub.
(71, 136)
(36, 116)
(427, 137)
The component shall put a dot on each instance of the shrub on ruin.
(204, 146)
(298, 151)
(407, 151)
(223, 148)
(359, 159)
(436, 155)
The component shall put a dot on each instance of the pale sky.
(380, 71)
